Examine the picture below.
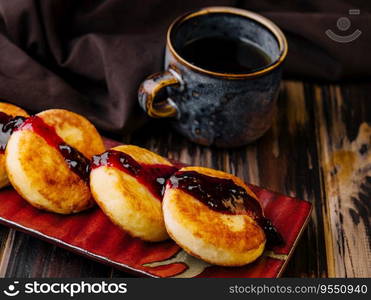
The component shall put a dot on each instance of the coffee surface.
(225, 55)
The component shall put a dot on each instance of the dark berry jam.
(219, 194)
(75, 160)
(153, 176)
(224, 196)
(274, 238)
(7, 125)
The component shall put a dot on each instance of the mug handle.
(148, 90)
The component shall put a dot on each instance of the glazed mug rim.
(268, 24)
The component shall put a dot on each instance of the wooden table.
(318, 149)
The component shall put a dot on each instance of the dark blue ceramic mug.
(225, 109)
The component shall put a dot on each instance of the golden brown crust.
(214, 227)
(75, 130)
(126, 201)
(47, 171)
(13, 111)
(39, 172)
(218, 238)
(143, 156)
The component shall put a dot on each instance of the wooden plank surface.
(318, 149)
(344, 143)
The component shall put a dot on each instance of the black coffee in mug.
(225, 55)
(221, 78)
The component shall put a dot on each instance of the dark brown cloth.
(90, 56)
(312, 54)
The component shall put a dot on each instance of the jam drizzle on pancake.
(7, 125)
(152, 176)
(75, 160)
(223, 195)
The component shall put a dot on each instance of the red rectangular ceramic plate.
(91, 234)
